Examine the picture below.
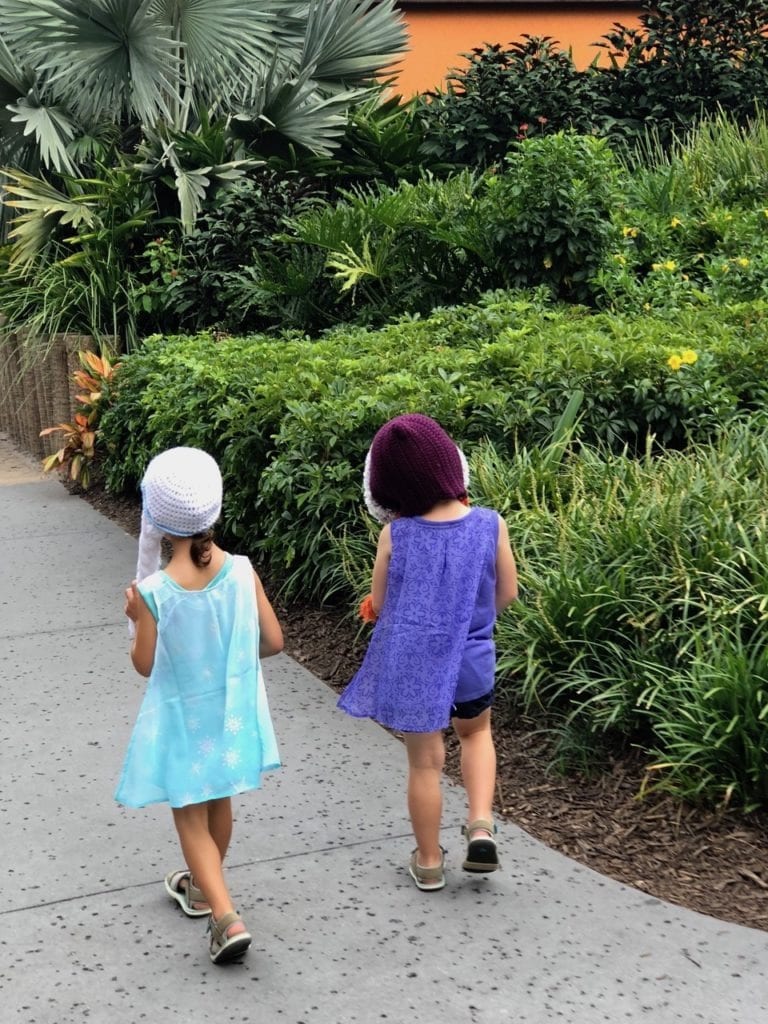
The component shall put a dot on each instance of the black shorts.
(473, 708)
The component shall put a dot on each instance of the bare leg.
(203, 858)
(478, 763)
(426, 757)
(220, 823)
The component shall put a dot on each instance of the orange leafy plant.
(79, 448)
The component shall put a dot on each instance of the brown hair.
(200, 549)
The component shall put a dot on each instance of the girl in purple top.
(442, 573)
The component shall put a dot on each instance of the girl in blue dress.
(204, 731)
(442, 573)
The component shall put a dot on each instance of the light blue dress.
(204, 729)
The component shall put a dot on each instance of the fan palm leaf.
(352, 40)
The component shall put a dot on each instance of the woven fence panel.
(36, 387)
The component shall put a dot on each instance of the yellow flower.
(689, 356)
(675, 222)
(646, 305)
(655, 266)
(742, 261)
(765, 213)
(548, 262)
(674, 362)
(634, 232)
(670, 265)
(618, 258)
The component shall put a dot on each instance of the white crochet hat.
(181, 492)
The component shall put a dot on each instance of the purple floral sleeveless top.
(433, 642)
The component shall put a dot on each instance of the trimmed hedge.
(290, 421)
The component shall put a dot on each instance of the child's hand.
(132, 602)
(365, 611)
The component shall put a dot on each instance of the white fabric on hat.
(386, 515)
(182, 493)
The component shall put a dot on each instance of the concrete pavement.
(317, 863)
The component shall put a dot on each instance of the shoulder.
(152, 584)
(486, 516)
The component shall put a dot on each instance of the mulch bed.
(713, 862)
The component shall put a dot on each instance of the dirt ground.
(715, 863)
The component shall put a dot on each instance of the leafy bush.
(290, 422)
(548, 217)
(503, 96)
(686, 60)
(545, 218)
(643, 604)
(693, 222)
(683, 61)
(200, 280)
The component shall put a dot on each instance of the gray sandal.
(482, 855)
(187, 896)
(224, 948)
(427, 879)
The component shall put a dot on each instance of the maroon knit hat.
(413, 464)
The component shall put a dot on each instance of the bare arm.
(506, 570)
(270, 631)
(145, 640)
(380, 569)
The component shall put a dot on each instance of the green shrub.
(547, 219)
(684, 61)
(291, 420)
(504, 96)
(642, 616)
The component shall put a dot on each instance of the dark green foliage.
(545, 218)
(206, 282)
(687, 59)
(383, 141)
(505, 96)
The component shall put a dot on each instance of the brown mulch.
(713, 862)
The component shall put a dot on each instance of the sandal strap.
(219, 928)
(479, 823)
(194, 894)
(432, 874)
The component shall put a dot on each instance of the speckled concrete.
(317, 863)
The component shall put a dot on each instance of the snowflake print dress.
(204, 729)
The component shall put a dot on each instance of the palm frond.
(352, 40)
(44, 208)
(217, 34)
(106, 54)
(52, 128)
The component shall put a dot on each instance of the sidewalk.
(317, 863)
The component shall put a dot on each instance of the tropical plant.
(78, 451)
(66, 66)
(505, 95)
(71, 250)
(685, 60)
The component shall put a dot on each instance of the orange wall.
(439, 34)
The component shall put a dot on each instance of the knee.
(427, 756)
